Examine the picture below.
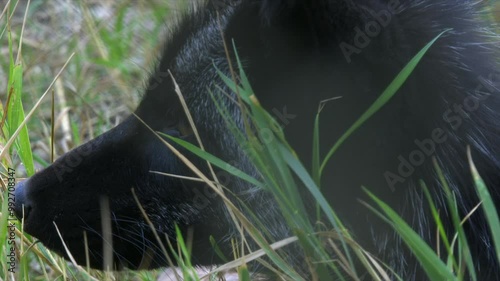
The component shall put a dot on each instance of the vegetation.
(62, 84)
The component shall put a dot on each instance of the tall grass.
(23, 88)
(328, 251)
(277, 163)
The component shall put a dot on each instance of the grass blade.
(388, 93)
(435, 268)
(489, 208)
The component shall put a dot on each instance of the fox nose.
(21, 201)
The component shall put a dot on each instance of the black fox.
(295, 54)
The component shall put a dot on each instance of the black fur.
(296, 53)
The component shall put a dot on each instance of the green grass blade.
(301, 172)
(388, 93)
(438, 221)
(243, 273)
(464, 253)
(435, 268)
(15, 114)
(309, 183)
(316, 160)
(16, 110)
(218, 250)
(489, 208)
(214, 160)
